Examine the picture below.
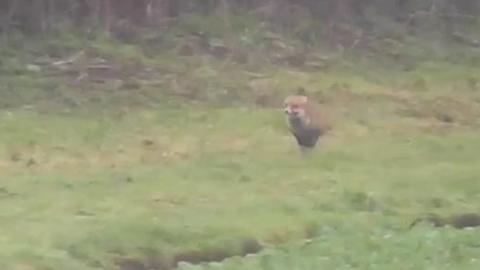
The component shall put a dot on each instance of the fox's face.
(295, 106)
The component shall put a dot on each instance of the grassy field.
(154, 186)
(119, 178)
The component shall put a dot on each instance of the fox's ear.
(301, 91)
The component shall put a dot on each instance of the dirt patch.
(217, 254)
(440, 115)
(443, 109)
(458, 221)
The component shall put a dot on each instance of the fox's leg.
(305, 151)
(306, 144)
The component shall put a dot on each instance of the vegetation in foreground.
(347, 247)
(145, 155)
(92, 190)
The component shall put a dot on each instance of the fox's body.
(306, 121)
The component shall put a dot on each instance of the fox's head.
(295, 106)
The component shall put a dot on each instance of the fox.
(306, 121)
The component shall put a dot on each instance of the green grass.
(106, 177)
(211, 178)
(350, 247)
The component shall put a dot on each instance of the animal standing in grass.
(306, 120)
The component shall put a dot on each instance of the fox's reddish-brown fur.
(306, 120)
